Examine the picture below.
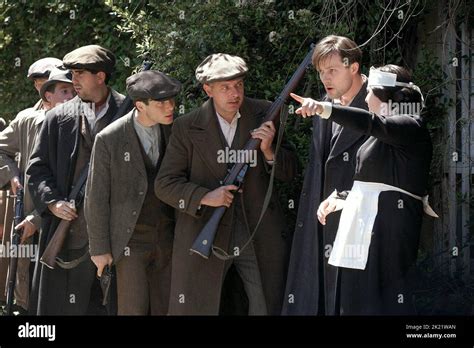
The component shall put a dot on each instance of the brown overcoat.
(189, 170)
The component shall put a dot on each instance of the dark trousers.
(143, 276)
(246, 265)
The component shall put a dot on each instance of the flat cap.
(91, 57)
(42, 67)
(56, 75)
(220, 67)
(152, 84)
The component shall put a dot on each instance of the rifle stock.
(55, 244)
(202, 245)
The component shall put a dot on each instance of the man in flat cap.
(128, 225)
(19, 137)
(190, 180)
(39, 72)
(58, 163)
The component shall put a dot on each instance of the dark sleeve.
(172, 184)
(42, 182)
(342, 194)
(395, 130)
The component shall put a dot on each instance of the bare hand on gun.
(29, 229)
(15, 184)
(220, 196)
(100, 261)
(63, 210)
(309, 107)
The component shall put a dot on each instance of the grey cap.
(220, 67)
(56, 75)
(152, 84)
(92, 58)
(42, 67)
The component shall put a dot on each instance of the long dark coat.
(51, 169)
(189, 170)
(310, 286)
(398, 153)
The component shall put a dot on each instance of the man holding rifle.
(59, 160)
(19, 137)
(190, 180)
(127, 224)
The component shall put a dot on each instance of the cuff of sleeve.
(195, 209)
(339, 202)
(99, 247)
(327, 110)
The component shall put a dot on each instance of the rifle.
(203, 243)
(56, 242)
(49, 257)
(15, 242)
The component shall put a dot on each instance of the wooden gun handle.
(55, 244)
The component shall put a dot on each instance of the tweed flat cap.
(42, 67)
(56, 75)
(220, 67)
(152, 84)
(91, 57)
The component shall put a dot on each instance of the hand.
(100, 261)
(29, 229)
(15, 184)
(325, 208)
(266, 133)
(63, 210)
(219, 197)
(309, 107)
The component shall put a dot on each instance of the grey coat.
(116, 189)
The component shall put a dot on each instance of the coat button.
(129, 230)
(134, 212)
(300, 224)
(141, 193)
(303, 193)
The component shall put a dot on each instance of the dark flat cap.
(91, 57)
(152, 84)
(42, 67)
(56, 75)
(220, 67)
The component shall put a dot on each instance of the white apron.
(351, 246)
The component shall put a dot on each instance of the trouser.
(70, 291)
(246, 265)
(144, 275)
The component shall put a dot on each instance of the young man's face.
(336, 76)
(86, 83)
(63, 92)
(156, 112)
(38, 81)
(227, 95)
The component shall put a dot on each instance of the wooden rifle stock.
(202, 245)
(55, 244)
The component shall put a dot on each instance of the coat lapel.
(348, 137)
(132, 145)
(204, 135)
(247, 122)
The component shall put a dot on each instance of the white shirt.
(92, 116)
(228, 129)
(150, 139)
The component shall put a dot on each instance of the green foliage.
(36, 29)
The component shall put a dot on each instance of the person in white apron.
(377, 240)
